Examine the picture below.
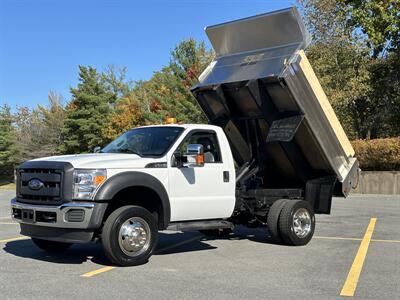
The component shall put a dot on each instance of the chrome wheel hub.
(134, 236)
(301, 222)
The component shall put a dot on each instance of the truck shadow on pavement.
(257, 235)
(77, 254)
(169, 243)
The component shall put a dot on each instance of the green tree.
(52, 120)
(37, 132)
(378, 20)
(326, 20)
(26, 131)
(87, 112)
(386, 91)
(344, 73)
(6, 141)
(341, 63)
(114, 80)
(167, 93)
(344, 55)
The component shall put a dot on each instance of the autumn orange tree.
(167, 93)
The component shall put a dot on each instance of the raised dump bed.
(262, 90)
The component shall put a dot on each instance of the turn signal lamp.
(200, 159)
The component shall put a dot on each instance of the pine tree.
(87, 113)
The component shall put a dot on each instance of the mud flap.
(319, 193)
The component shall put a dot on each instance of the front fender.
(124, 180)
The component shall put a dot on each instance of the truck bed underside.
(246, 110)
(272, 158)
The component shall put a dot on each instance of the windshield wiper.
(130, 151)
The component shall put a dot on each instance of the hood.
(103, 160)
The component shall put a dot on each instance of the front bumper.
(70, 215)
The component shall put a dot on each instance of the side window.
(212, 153)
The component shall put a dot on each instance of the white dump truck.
(272, 155)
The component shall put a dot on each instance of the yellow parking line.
(350, 284)
(98, 271)
(18, 238)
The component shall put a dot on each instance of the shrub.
(378, 154)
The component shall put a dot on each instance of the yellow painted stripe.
(98, 271)
(350, 284)
(18, 238)
(337, 238)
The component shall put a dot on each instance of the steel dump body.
(262, 91)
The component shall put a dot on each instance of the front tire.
(297, 222)
(51, 246)
(129, 236)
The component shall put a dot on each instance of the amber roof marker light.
(170, 120)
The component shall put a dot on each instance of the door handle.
(226, 176)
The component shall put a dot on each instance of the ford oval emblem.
(35, 184)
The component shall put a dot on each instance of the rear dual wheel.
(291, 222)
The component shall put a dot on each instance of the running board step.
(200, 225)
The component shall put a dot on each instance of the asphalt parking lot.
(356, 248)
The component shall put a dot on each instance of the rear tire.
(273, 220)
(51, 246)
(129, 236)
(297, 222)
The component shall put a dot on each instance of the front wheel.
(51, 246)
(297, 222)
(129, 236)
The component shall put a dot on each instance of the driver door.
(202, 192)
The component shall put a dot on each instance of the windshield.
(146, 141)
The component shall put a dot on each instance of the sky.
(42, 42)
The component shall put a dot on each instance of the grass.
(8, 186)
(6, 182)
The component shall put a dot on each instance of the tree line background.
(355, 53)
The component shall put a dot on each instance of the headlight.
(86, 182)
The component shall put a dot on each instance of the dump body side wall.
(319, 115)
(325, 104)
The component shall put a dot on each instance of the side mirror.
(96, 149)
(194, 156)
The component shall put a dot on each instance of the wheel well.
(141, 196)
